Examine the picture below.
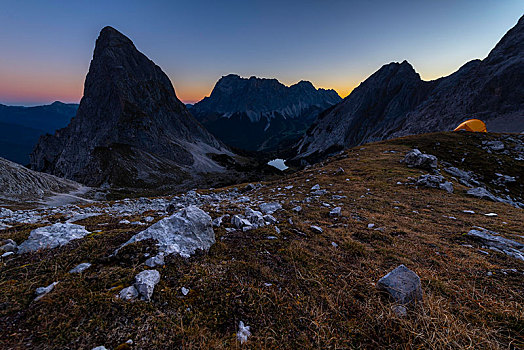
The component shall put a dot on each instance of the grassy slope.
(320, 296)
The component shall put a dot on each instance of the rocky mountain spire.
(130, 127)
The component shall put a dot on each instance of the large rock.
(181, 233)
(130, 129)
(435, 181)
(402, 284)
(496, 242)
(52, 236)
(417, 159)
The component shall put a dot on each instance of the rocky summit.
(394, 102)
(261, 114)
(130, 129)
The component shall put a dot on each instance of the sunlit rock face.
(395, 102)
(260, 114)
(130, 128)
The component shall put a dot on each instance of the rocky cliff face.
(257, 114)
(130, 128)
(394, 101)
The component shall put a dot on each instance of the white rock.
(316, 229)
(128, 293)
(181, 233)
(124, 221)
(80, 268)
(145, 283)
(298, 209)
(52, 236)
(270, 208)
(335, 211)
(42, 291)
(243, 332)
(316, 187)
(185, 291)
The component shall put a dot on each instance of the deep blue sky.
(46, 46)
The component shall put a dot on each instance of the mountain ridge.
(489, 89)
(259, 113)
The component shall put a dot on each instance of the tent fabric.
(474, 125)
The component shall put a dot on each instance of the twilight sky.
(46, 46)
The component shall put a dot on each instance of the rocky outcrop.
(53, 236)
(395, 102)
(130, 130)
(17, 183)
(259, 114)
(181, 233)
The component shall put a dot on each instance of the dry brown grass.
(321, 296)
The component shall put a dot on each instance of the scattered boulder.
(297, 209)
(494, 145)
(181, 233)
(255, 218)
(128, 293)
(435, 181)
(495, 242)
(239, 221)
(417, 159)
(335, 211)
(43, 291)
(402, 284)
(80, 268)
(145, 283)
(464, 177)
(270, 208)
(52, 236)
(315, 188)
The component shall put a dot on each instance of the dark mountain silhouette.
(20, 127)
(257, 113)
(130, 129)
(394, 101)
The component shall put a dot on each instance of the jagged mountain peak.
(130, 128)
(394, 101)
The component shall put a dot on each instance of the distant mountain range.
(130, 130)
(394, 101)
(261, 114)
(20, 127)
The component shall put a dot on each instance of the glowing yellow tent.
(474, 125)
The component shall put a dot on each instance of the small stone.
(270, 208)
(157, 260)
(185, 291)
(128, 293)
(297, 209)
(5, 255)
(42, 291)
(316, 229)
(371, 225)
(80, 268)
(316, 187)
(145, 283)
(334, 244)
(402, 284)
(124, 221)
(243, 332)
(400, 310)
(335, 211)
